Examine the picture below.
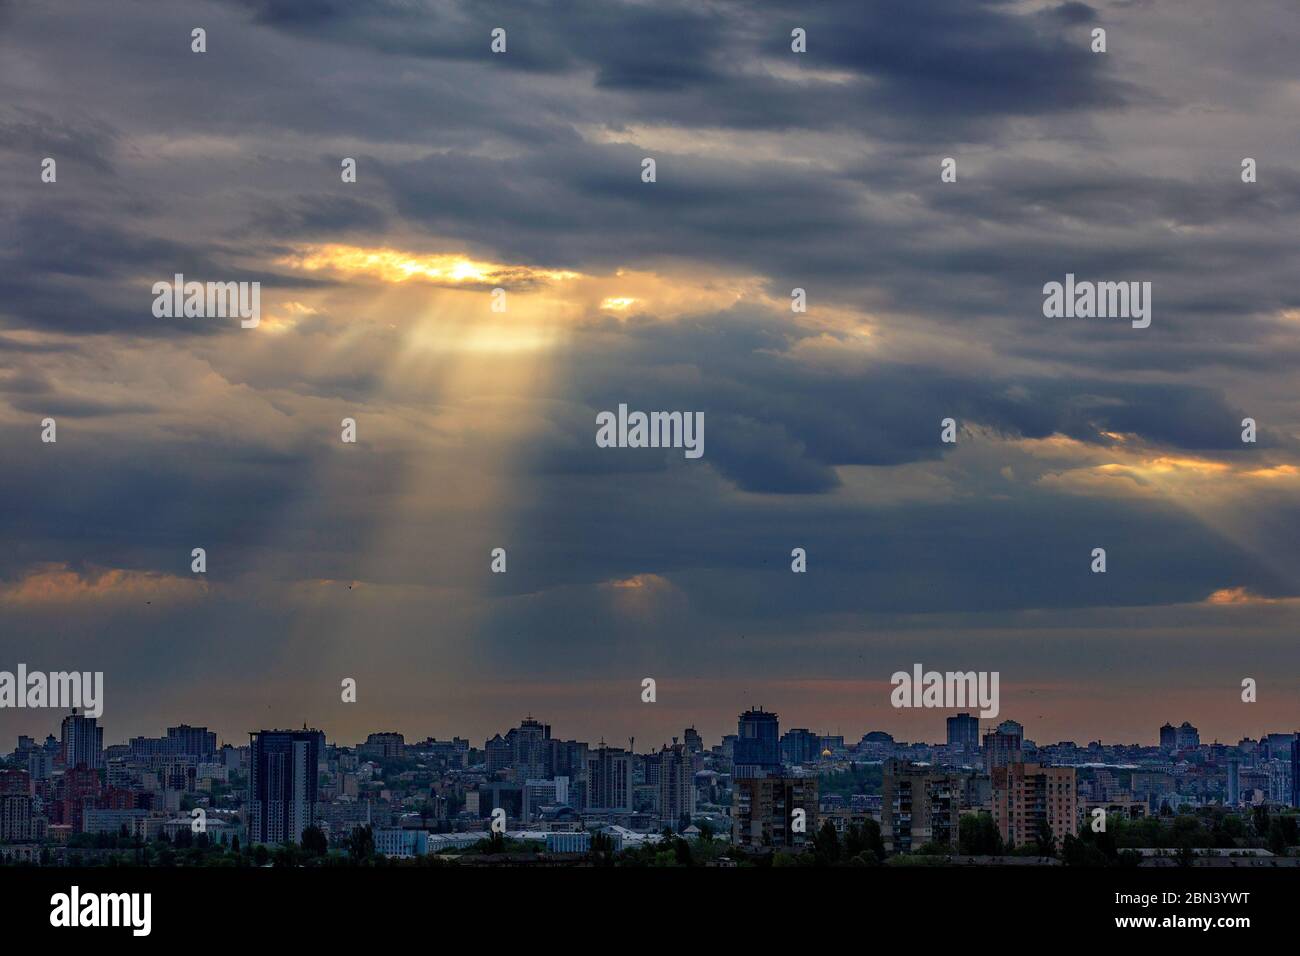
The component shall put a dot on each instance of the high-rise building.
(15, 806)
(676, 785)
(544, 793)
(964, 732)
(568, 758)
(609, 779)
(385, 745)
(528, 748)
(195, 743)
(919, 805)
(282, 784)
(1234, 782)
(1026, 795)
(1277, 746)
(187, 741)
(694, 742)
(763, 812)
(800, 746)
(1187, 737)
(77, 790)
(83, 742)
(876, 745)
(758, 746)
(1168, 737)
(1295, 770)
(497, 753)
(1002, 745)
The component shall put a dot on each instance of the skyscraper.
(676, 785)
(694, 742)
(282, 784)
(609, 779)
(758, 746)
(15, 806)
(800, 746)
(964, 732)
(1002, 745)
(1295, 770)
(528, 748)
(1168, 737)
(83, 742)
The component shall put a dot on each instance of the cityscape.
(986, 795)
(486, 437)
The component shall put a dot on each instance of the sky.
(775, 170)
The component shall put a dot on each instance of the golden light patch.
(1145, 472)
(495, 338)
(1274, 473)
(639, 595)
(285, 317)
(396, 266)
(637, 582)
(1236, 596)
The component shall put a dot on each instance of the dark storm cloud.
(33, 135)
(144, 502)
(317, 215)
(775, 424)
(900, 559)
(958, 58)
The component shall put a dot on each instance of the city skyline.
(851, 738)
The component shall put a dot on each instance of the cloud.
(58, 585)
(775, 170)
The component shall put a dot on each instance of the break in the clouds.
(775, 171)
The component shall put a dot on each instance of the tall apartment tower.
(1002, 745)
(609, 779)
(758, 746)
(1187, 737)
(964, 732)
(83, 742)
(763, 812)
(1168, 737)
(15, 806)
(1295, 770)
(528, 748)
(282, 784)
(919, 804)
(694, 742)
(1026, 795)
(676, 785)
